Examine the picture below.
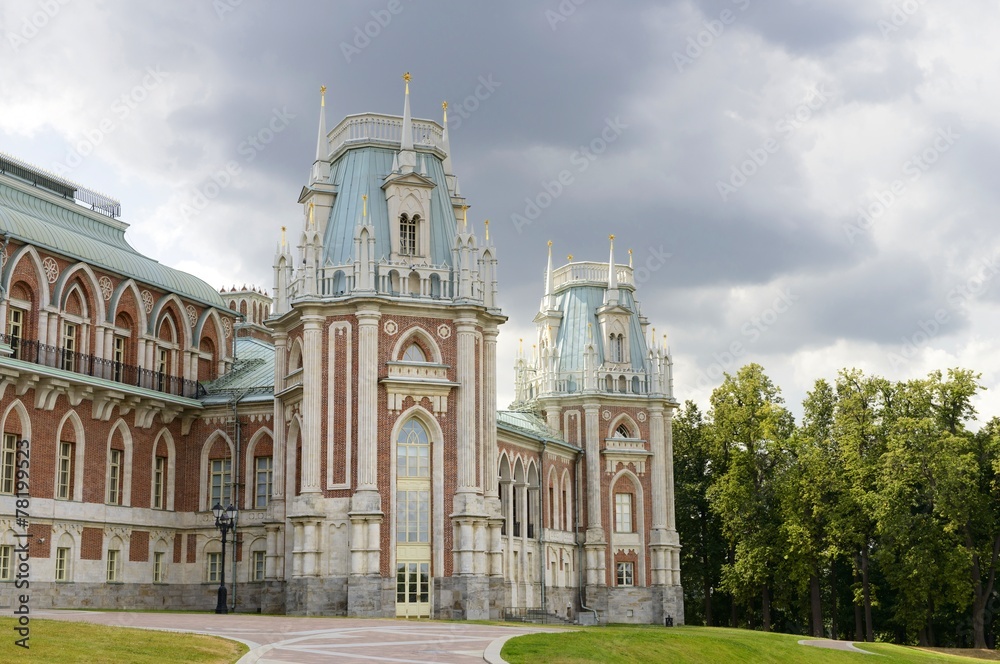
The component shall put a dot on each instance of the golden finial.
(322, 95)
(283, 243)
(550, 243)
(520, 345)
(612, 237)
(364, 205)
(487, 224)
(465, 216)
(630, 258)
(406, 77)
(311, 220)
(570, 258)
(444, 106)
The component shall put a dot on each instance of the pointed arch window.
(408, 234)
(413, 473)
(414, 353)
(617, 342)
(623, 431)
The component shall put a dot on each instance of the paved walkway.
(297, 640)
(833, 645)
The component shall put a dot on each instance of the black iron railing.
(29, 350)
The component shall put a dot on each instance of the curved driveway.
(302, 640)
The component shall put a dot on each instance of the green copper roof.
(579, 305)
(253, 372)
(35, 219)
(362, 171)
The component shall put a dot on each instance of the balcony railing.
(29, 350)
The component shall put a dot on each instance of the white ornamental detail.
(51, 269)
(444, 331)
(107, 288)
(192, 315)
(390, 327)
(606, 415)
(641, 416)
(227, 327)
(3, 257)
(147, 301)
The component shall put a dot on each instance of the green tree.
(862, 417)
(812, 491)
(749, 429)
(698, 526)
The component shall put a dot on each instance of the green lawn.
(694, 645)
(56, 642)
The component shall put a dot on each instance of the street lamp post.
(225, 520)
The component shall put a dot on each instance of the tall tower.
(599, 382)
(385, 328)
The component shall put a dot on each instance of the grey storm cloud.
(534, 90)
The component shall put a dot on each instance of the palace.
(349, 418)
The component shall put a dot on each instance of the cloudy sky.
(809, 185)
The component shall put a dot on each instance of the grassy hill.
(696, 645)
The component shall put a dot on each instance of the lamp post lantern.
(225, 520)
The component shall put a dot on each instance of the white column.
(312, 401)
(592, 436)
(466, 416)
(659, 475)
(490, 411)
(368, 399)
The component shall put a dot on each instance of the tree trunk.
(859, 632)
(866, 587)
(817, 606)
(765, 596)
(980, 594)
(922, 637)
(833, 603)
(732, 597)
(706, 581)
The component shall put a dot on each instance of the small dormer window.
(414, 354)
(617, 344)
(408, 234)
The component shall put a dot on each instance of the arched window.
(413, 451)
(413, 471)
(414, 354)
(623, 431)
(617, 344)
(408, 235)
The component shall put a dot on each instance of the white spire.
(445, 143)
(321, 147)
(548, 272)
(407, 142)
(321, 139)
(612, 273)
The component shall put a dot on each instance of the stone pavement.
(833, 645)
(304, 640)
